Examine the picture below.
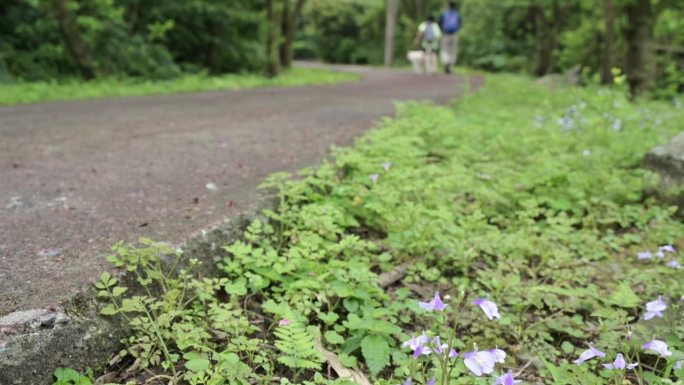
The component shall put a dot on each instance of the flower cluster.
(654, 309)
(436, 348)
(660, 254)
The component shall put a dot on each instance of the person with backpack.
(450, 23)
(429, 36)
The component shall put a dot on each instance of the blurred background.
(58, 40)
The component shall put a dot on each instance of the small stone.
(48, 321)
(211, 186)
(49, 253)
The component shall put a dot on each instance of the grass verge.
(523, 207)
(22, 93)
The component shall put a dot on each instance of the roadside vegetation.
(505, 236)
(32, 92)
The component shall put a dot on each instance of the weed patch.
(21, 93)
(523, 208)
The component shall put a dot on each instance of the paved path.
(76, 177)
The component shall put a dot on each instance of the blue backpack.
(451, 22)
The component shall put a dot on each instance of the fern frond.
(297, 347)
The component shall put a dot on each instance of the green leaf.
(348, 361)
(108, 310)
(66, 376)
(333, 338)
(567, 347)
(117, 291)
(197, 365)
(376, 353)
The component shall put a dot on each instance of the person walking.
(450, 23)
(429, 36)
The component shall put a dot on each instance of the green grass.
(533, 197)
(21, 93)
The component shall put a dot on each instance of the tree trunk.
(390, 26)
(547, 31)
(72, 39)
(608, 43)
(638, 35)
(272, 52)
(289, 28)
(542, 32)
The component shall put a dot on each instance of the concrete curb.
(35, 342)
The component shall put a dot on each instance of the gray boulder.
(667, 161)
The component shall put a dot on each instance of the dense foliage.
(517, 196)
(643, 37)
(52, 39)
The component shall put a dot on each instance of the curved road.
(75, 177)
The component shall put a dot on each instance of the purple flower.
(453, 353)
(417, 344)
(678, 365)
(488, 307)
(660, 254)
(667, 249)
(387, 165)
(655, 309)
(439, 347)
(374, 178)
(408, 381)
(435, 305)
(480, 362)
(589, 354)
(506, 379)
(674, 264)
(432, 381)
(657, 346)
(620, 363)
(421, 350)
(644, 255)
(499, 354)
(284, 322)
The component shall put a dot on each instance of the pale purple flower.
(657, 346)
(417, 344)
(421, 350)
(432, 381)
(284, 322)
(488, 307)
(655, 308)
(506, 379)
(644, 255)
(589, 354)
(620, 364)
(435, 305)
(408, 381)
(480, 362)
(414, 342)
(678, 365)
(453, 353)
(660, 254)
(499, 354)
(617, 124)
(387, 165)
(439, 347)
(674, 264)
(667, 249)
(374, 178)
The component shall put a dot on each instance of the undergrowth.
(521, 199)
(33, 92)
